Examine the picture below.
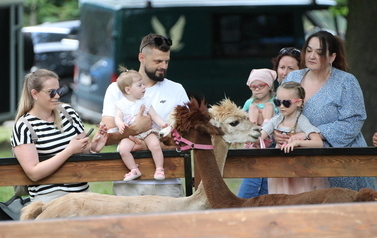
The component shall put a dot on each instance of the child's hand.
(121, 129)
(99, 139)
(289, 147)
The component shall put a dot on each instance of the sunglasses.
(53, 92)
(290, 50)
(286, 103)
(158, 41)
(259, 86)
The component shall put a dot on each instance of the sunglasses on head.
(286, 103)
(290, 50)
(158, 41)
(53, 92)
(258, 86)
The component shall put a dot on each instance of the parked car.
(55, 46)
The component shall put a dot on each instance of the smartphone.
(89, 132)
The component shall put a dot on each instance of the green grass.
(97, 187)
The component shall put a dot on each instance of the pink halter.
(189, 145)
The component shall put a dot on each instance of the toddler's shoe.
(159, 174)
(133, 174)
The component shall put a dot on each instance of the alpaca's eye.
(234, 123)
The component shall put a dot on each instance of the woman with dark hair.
(334, 101)
(288, 60)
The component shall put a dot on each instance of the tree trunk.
(361, 47)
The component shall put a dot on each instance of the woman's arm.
(351, 115)
(29, 160)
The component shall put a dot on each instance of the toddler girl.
(260, 106)
(131, 85)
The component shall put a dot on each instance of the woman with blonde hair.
(59, 131)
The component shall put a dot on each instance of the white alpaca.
(232, 121)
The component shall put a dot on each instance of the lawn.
(98, 187)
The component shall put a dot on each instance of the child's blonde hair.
(297, 88)
(126, 78)
(300, 93)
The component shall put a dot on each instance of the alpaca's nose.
(257, 128)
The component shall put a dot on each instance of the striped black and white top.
(50, 141)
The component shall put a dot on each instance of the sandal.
(159, 174)
(133, 174)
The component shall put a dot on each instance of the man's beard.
(152, 75)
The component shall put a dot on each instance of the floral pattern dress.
(338, 110)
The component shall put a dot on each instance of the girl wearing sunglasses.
(290, 101)
(59, 136)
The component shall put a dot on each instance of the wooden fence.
(329, 220)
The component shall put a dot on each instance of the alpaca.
(219, 194)
(89, 204)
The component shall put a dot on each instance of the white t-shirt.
(130, 109)
(165, 96)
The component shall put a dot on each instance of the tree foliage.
(39, 11)
(341, 8)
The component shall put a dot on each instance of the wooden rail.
(328, 220)
(100, 167)
(302, 162)
(241, 163)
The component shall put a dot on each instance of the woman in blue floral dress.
(334, 101)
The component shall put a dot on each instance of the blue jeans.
(253, 187)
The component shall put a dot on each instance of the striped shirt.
(51, 140)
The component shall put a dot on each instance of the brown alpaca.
(219, 194)
(89, 204)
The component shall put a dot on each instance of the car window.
(47, 37)
(90, 29)
(253, 34)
